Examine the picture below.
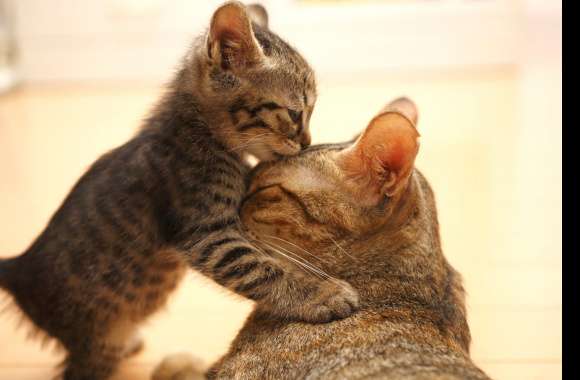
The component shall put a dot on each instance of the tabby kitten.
(169, 199)
(370, 219)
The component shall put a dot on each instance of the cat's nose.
(305, 140)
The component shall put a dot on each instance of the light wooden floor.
(491, 143)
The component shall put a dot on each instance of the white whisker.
(248, 142)
(312, 265)
(343, 250)
(297, 246)
(300, 263)
(322, 274)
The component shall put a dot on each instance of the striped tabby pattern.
(168, 199)
(361, 213)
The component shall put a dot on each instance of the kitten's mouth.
(287, 153)
(274, 155)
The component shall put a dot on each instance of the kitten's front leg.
(232, 261)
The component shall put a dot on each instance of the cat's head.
(334, 192)
(258, 88)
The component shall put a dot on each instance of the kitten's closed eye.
(268, 129)
(267, 87)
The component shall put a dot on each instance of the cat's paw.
(134, 346)
(179, 367)
(334, 300)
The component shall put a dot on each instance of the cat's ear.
(405, 106)
(381, 161)
(258, 14)
(231, 42)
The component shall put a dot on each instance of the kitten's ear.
(258, 14)
(231, 42)
(381, 161)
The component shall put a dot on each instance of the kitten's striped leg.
(232, 261)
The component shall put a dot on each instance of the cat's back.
(369, 345)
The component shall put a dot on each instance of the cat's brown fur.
(168, 199)
(370, 219)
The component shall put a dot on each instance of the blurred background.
(77, 78)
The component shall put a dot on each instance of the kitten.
(370, 218)
(168, 199)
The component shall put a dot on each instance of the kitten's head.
(254, 85)
(332, 192)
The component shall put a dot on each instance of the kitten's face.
(267, 88)
(332, 191)
(270, 117)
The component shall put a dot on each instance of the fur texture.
(354, 212)
(168, 199)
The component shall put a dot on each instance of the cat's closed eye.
(295, 116)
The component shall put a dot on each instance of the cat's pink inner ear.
(231, 38)
(382, 159)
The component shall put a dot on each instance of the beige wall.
(141, 40)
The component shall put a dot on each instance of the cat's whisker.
(312, 266)
(322, 273)
(294, 254)
(297, 246)
(343, 250)
(319, 273)
(296, 221)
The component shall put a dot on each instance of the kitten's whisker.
(248, 142)
(256, 136)
(243, 146)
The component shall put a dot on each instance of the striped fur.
(412, 319)
(168, 199)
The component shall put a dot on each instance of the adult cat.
(369, 218)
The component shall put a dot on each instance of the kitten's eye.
(295, 115)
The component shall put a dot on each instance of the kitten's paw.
(335, 300)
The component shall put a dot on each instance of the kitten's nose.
(305, 140)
